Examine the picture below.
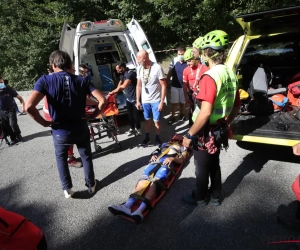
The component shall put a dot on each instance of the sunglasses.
(83, 71)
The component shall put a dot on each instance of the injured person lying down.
(152, 181)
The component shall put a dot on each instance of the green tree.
(30, 29)
(29, 32)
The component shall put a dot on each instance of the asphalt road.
(256, 180)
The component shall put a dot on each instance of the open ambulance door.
(140, 38)
(67, 39)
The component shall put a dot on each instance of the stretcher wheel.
(98, 148)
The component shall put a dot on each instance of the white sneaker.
(137, 215)
(138, 132)
(68, 193)
(130, 132)
(119, 210)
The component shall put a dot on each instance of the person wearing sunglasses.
(191, 78)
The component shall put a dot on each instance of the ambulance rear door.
(138, 35)
(67, 39)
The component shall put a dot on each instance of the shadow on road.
(124, 170)
(39, 134)
(271, 152)
(253, 161)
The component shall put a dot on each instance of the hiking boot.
(138, 131)
(72, 162)
(190, 199)
(92, 189)
(182, 117)
(145, 142)
(137, 216)
(130, 132)
(19, 138)
(68, 193)
(171, 120)
(120, 210)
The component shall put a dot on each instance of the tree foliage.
(30, 29)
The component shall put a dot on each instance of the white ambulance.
(100, 45)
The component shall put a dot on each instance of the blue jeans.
(62, 144)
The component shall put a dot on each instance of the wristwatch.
(188, 136)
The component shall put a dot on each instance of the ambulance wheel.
(98, 148)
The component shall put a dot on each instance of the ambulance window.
(115, 56)
(145, 46)
(107, 58)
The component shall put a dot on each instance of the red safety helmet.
(280, 102)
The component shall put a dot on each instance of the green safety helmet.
(216, 39)
(197, 43)
(188, 55)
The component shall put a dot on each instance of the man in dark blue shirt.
(66, 94)
(8, 115)
(176, 68)
(128, 85)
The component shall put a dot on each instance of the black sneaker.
(182, 117)
(158, 142)
(171, 121)
(13, 143)
(145, 142)
(19, 138)
(190, 199)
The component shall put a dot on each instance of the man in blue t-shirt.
(176, 68)
(8, 115)
(66, 94)
(128, 85)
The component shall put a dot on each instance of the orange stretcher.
(168, 182)
(105, 123)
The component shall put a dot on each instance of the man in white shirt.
(152, 87)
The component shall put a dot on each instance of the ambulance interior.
(101, 52)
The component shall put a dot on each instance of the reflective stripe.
(220, 111)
